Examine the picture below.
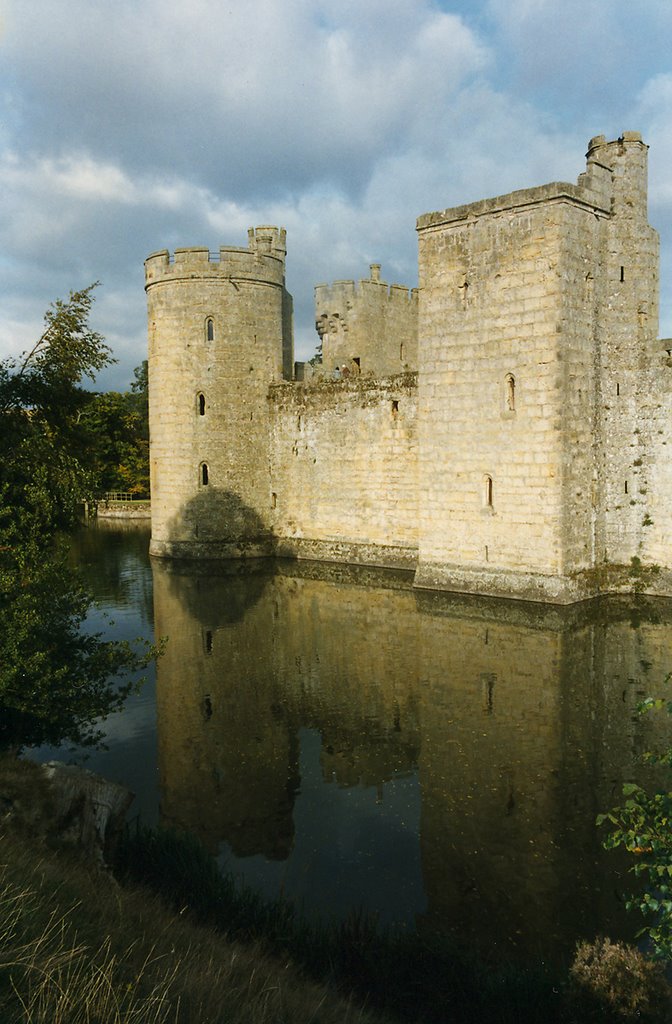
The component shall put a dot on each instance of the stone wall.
(344, 469)
(492, 385)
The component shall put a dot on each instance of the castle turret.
(219, 333)
(368, 325)
(625, 272)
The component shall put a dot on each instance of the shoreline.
(141, 510)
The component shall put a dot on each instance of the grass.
(77, 948)
(395, 973)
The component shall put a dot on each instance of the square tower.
(526, 307)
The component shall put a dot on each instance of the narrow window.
(401, 352)
(626, 486)
(395, 407)
(487, 491)
(618, 389)
(464, 289)
(274, 500)
(510, 395)
(207, 641)
(201, 404)
(488, 679)
(622, 273)
(210, 329)
(204, 473)
(487, 558)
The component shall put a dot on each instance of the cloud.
(264, 94)
(142, 126)
(589, 56)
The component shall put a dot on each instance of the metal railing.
(122, 496)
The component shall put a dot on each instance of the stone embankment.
(124, 510)
(62, 804)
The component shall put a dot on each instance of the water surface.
(333, 735)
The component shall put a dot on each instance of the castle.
(503, 430)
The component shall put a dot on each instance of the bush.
(612, 982)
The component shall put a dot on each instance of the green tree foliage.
(55, 679)
(42, 472)
(642, 825)
(118, 429)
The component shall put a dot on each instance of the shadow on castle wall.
(221, 587)
(215, 514)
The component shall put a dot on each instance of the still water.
(334, 736)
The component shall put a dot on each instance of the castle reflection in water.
(513, 724)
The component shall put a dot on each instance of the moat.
(333, 736)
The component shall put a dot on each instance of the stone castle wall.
(344, 470)
(491, 448)
(530, 455)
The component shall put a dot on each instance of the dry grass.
(613, 983)
(78, 950)
(75, 948)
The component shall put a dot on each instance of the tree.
(316, 358)
(117, 426)
(55, 680)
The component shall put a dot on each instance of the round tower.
(219, 333)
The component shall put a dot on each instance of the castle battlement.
(367, 324)
(262, 261)
(348, 290)
(596, 188)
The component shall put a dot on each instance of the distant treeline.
(116, 429)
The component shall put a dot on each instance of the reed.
(397, 973)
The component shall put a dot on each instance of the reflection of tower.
(531, 739)
(346, 656)
(227, 754)
(219, 334)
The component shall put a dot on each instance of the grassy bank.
(77, 948)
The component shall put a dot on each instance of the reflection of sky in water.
(353, 847)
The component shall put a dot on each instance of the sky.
(144, 125)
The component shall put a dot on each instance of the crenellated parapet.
(367, 325)
(263, 261)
